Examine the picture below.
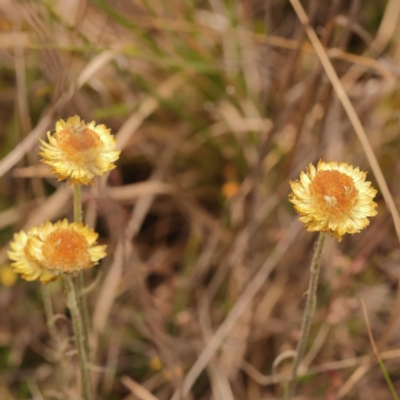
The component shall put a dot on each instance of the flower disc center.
(66, 250)
(79, 143)
(334, 192)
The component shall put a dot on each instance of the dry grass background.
(215, 105)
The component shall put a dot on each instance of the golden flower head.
(333, 198)
(78, 151)
(45, 253)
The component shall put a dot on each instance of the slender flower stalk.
(311, 305)
(333, 198)
(83, 306)
(77, 203)
(80, 280)
(79, 339)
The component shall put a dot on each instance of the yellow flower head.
(51, 250)
(78, 151)
(333, 198)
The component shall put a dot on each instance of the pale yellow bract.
(333, 197)
(78, 151)
(49, 251)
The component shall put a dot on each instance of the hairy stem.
(311, 305)
(79, 339)
(80, 281)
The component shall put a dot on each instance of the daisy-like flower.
(333, 198)
(45, 253)
(78, 151)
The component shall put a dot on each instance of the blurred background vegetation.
(216, 105)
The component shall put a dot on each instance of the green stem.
(80, 281)
(54, 337)
(387, 379)
(311, 305)
(82, 301)
(79, 339)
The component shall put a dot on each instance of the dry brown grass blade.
(138, 390)
(338, 54)
(14, 39)
(106, 298)
(144, 202)
(371, 337)
(108, 291)
(219, 382)
(367, 363)
(376, 351)
(95, 65)
(62, 78)
(219, 379)
(24, 120)
(316, 345)
(27, 144)
(147, 107)
(234, 348)
(52, 207)
(354, 378)
(362, 61)
(39, 171)
(197, 214)
(9, 217)
(360, 362)
(132, 191)
(351, 113)
(388, 25)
